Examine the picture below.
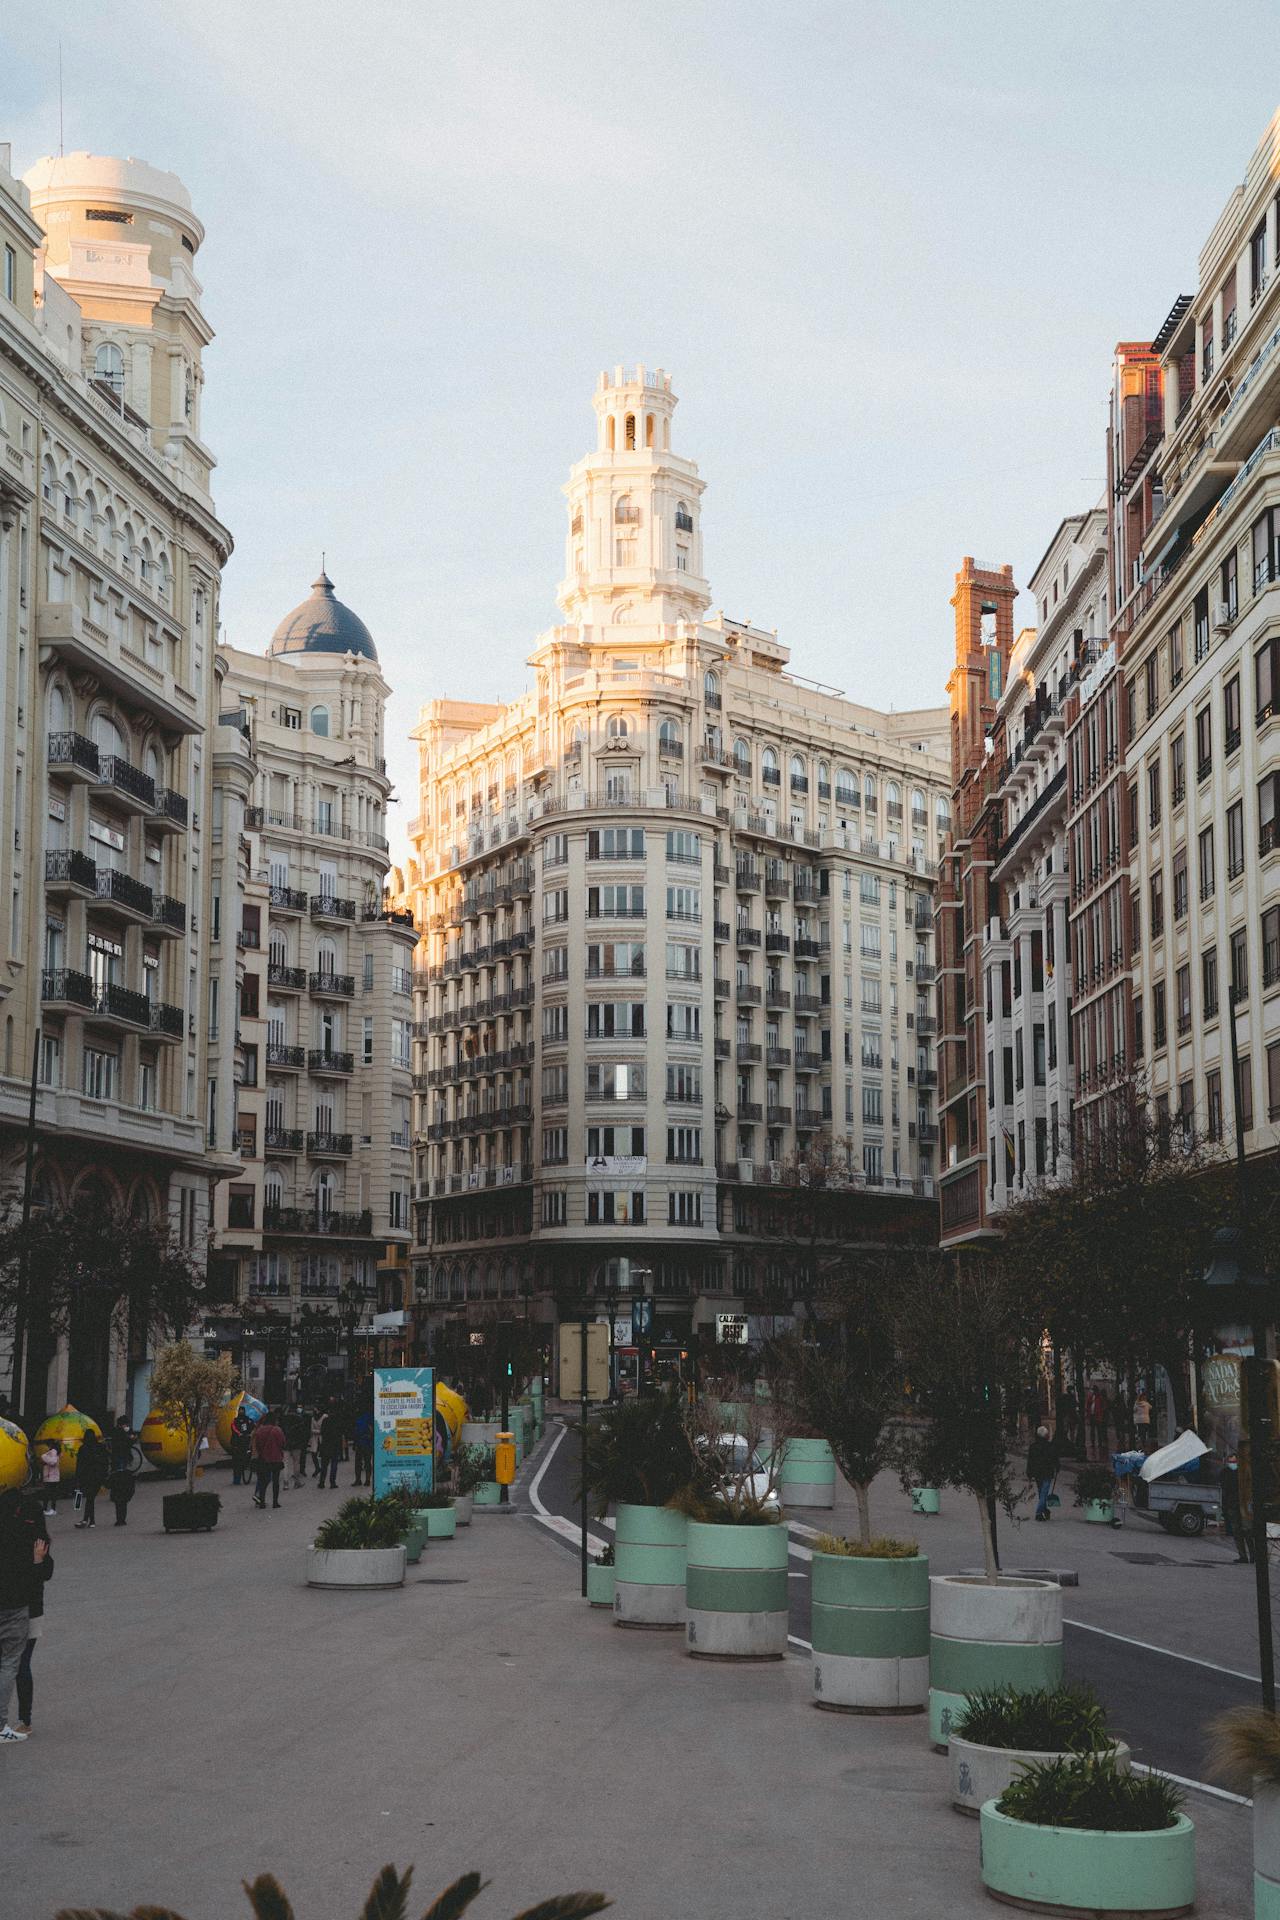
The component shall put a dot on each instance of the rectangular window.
(1157, 906)
(555, 1023)
(1231, 713)
(683, 962)
(555, 1086)
(1180, 885)
(555, 850)
(684, 1208)
(1178, 769)
(10, 274)
(609, 1018)
(555, 1146)
(615, 1209)
(1201, 620)
(685, 847)
(616, 1143)
(1175, 655)
(366, 1040)
(555, 906)
(1213, 1103)
(684, 1020)
(1235, 840)
(616, 843)
(684, 1145)
(615, 960)
(1159, 1025)
(555, 963)
(1244, 1095)
(1273, 1081)
(1266, 678)
(684, 903)
(869, 941)
(615, 1080)
(101, 1071)
(1209, 982)
(1268, 795)
(1205, 845)
(872, 1107)
(1271, 947)
(1153, 794)
(684, 1085)
(1182, 992)
(612, 903)
(1240, 964)
(554, 1206)
(1152, 678)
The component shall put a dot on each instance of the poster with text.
(403, 1429)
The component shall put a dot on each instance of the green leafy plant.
(1244, 1747)
(438, 1497)
(882, 1547)
(1046, 1720)
(1093, 1794)
(388, 1900)
(639, 1453)
(363, 1524)
(700, 1503)
(605, 1556)
(1094, 1483)
(472, 1467)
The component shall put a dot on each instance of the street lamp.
(352, 1297)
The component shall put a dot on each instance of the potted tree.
(1000, 1731)
(1084, 1836)
(964, 1334)
(600, 1578)
(1245, 1755)
(471, 1468)
(639, 1461)
(736, 1560)
(187, 1390)
(1095, 1492)
(361, 1545)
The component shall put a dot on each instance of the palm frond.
(94, 1913)
(154, 1913)
(389, 1895)
(457, 1898)
(567, 1906)
(266, 1897)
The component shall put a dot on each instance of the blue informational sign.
(403, 1429)
(641, 1319)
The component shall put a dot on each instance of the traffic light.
(510, 1370)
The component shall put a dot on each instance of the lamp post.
(352, 1298)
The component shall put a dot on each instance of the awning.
(1179, 1453)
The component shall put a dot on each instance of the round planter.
(736, 1591)
(985, 1636)
(1081, 1870)
(870, 1634)
(1099, 1513)
(414, 1541)
(439, 1523)
(808, 1475)
(355, 1566)
(925, 1500)
(1266, 1851)
(487, 1494)
(462, 1507)
(650, 1547)
(600, 1584)
(979, 1774)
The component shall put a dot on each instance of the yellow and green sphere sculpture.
(254, 1410)
(163, 1439)
(15, 1463)
(66, 1430)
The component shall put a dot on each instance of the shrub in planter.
(1000, 1731)
(436, 1513)
(639, 1459)
(361, 1545)
(870, 1625)
(601, 1579)
(471, 1468)
(389, 1896)
(736, 1600)
(190, 1512)
(926, 1500)
(1095, 1492)
(1081, 1834)
(1245, 1755)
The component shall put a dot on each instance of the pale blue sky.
(885, 251)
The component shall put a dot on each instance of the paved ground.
(202, 1716)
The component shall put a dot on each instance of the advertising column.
(404, 1429)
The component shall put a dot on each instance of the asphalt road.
(1157, 1701)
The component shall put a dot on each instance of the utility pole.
(504, 1492)
(20, 1309)
(582, 1390)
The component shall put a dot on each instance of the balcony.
(749, 1053)
(72, 757)
(171, 811)
(331, 986)
(115, 1003)
(778, 1057)
(286, 979)
(777, 943)
(325, 1060)
(748, 936)
(807, 1062)
(167, 1022)
(68, 874)
(327, 906)
(723, 1049)
(64, 987)
(808, 1120)
(720, 929)
(806, 948)
(747, 996)
(287, 899)
(169, 916)
(750, 1110)
(279, 1055)
(747, 879)
(807, 1005)
(328, 1146)
(777, 1116)
(124, 897)
(125, 786)
(723, 989)
(777, 999)
(307, 1220)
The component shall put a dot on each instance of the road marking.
(1199, 1786)
(1149, 1647)
(564, 1529)
(795, 1641)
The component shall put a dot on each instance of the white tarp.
(1179, 1453)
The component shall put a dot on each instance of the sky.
(884, 248)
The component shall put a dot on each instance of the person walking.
(40, 1574)
(1142, 1417)
(1232, 1518)
(238, 1445)
(21, 1552)
(1068, 1424)
(1095, 1413)
(122, 1484)
(267, 1449)
(122, 1442)
(317, 1422)
(297, 1434)
(50, 1478)
(362, 1435)
(330, 1446)
(92, 1465)
(1042, 1469)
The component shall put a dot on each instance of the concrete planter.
(1099, 1513)
(736, 1591)
(650, 1547)
(600, 1585)
(985, 1636)
(440, 1523)
(1081, 1870)
(979, 1774)
(414, 1541)
(1266, 1851)
(355, 1566)
(870, 1634)
(808, 1474)
(925, 1500)
(462, 1507)
(487, 1494)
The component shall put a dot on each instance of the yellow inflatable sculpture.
(66, 1430)
(254, 1410)
(451, 1408)
(14, 1461)
(165, 1446)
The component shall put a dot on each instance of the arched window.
(154, 765)
(668, 737)
(107, 737)
(617, 727)
(108, 367)
(579, 738)
(48, 481)
(684, 519)
(90, 514)
(942, 815)
(513, 772)
(799, 775)
(164, 579)
(893, 800)
(869, 800)
(326, 957)
(128, 544)
(629, 433)
(324, 1193)
(846, 788)
(648, 430)
(70, 500)
(711, 688)
(272, 1189)
(59, 709)
(624, 511)
(919, 812)
(320, 721)
(145, 561)
(741, 755)
(110, 535)
(770, 772)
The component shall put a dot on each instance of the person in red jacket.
(268, 1458)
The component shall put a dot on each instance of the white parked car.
(741, 1460)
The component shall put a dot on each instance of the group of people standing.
(1084, 1431)
(302, 1439)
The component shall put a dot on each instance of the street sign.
(404, 1429)
(731, 1329)
(622, 1331)
(570, 1332)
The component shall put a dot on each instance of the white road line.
(795, 1641)
(1149, 1647)
(565, 1529)
(1198, 1786)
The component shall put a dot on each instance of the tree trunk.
(988, 1543)
(862, 1494)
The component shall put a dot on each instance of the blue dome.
(323, 625)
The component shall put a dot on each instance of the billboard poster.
(403, 1429)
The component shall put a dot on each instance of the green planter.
(600, 1583)
(925, 1500)
(487, 1494)
(1266, 1851)
(650, 1548)
(1078, 1869)
(736, 1591)
(981, 1636)
(1099, 1513)
(808, 1475)
(414, 1541)
(438, 1523)
(870, 1631)
(735, 1414)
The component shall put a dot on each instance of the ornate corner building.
(676, 917)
